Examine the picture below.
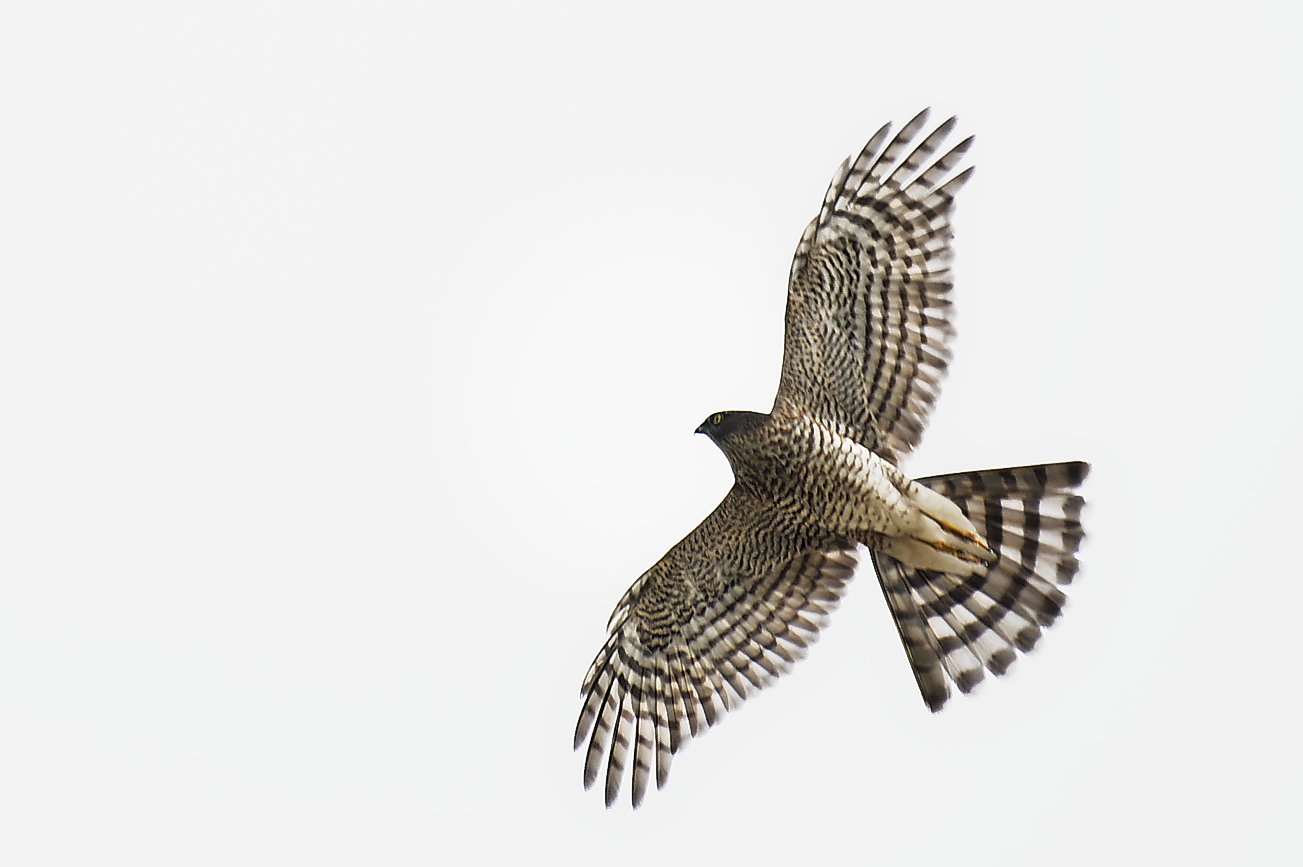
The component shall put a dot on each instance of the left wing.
(868, 300)
(721, 615)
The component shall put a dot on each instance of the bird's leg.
(935, 534)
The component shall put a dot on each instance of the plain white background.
(349, 361)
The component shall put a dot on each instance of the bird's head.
(724, 427)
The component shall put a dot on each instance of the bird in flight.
(971, 563)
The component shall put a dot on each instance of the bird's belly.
(854, 492)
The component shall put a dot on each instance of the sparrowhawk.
(971, 564)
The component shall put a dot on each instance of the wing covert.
(868, 305)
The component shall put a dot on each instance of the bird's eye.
(717, 418)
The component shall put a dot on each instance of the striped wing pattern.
(955, 629)
(869, 292)
(740, 599)
(643, 704)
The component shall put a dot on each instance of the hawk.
(971, 564)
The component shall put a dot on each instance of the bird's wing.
(868, 300)
(726, 611)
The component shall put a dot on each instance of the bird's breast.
(824, 478)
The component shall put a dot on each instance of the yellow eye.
(717, 418)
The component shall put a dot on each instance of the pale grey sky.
(349, 362)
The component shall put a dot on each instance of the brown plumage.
(971, 564)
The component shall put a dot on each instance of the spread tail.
(957, 627)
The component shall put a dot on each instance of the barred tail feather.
(955, 628)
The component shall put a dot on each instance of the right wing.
(726, 611)
(868, 299)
